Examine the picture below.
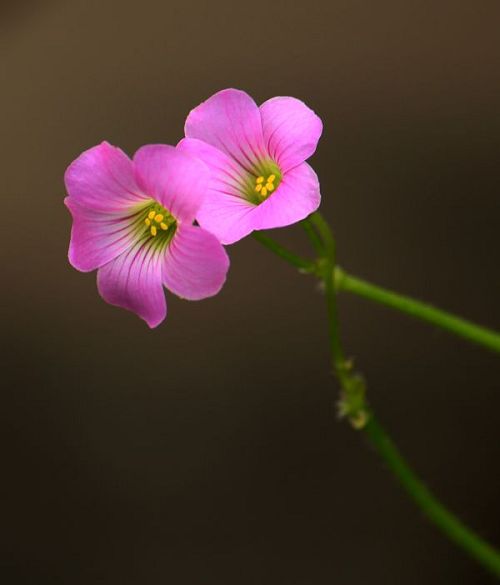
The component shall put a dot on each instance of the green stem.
(457, 325)
(326, 235)
(418, 309)
(327, 265)
(354, 405)
(279, 250)
(313, 236)
(456, 531)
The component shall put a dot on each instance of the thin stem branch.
(456, 531)
(461, 327)
(279, 250)
(328, 241)
(354, 405)
(348, 283)
(327, 263)
(313, 236)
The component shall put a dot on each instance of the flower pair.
(240, 168)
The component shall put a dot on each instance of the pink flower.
(133, 222)
(256, 156)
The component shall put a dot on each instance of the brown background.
(206, 451)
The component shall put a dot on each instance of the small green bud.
(353, 402)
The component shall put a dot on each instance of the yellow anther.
(158, 217)
(163, 226)
(153, 230)
(151, 214)
(271, 178)
(258, 187)
(260, 180)
(147, 222)
(270, 187)
(264, 191)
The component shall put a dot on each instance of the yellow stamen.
(271, 178)
(159, 218)
(147, 222)
(163, 226)
(270, 187)
(264, 192)
(153, 230)
(260, 180)
(258, 187)
(151, 214)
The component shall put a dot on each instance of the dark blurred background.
(207, 451)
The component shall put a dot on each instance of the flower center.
(262, 182)
(264, 186)
(159, 223)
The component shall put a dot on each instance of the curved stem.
(457, 325)
(456, 531)
(353, 402)
(313, 236)
(327, 265)
(279, 250)
(352, 284)
(354, 405)
(325, 232)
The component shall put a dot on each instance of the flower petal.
(102, 179)
(226, 175)
(133, 281)
(97, 237)
(291, 131)
(297, 196)
(195, 264)
(173, 178)
(229, 218)
(224, 210)
(229, 120)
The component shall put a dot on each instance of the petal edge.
(291, 131)
(195, 264)
(132, 281)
